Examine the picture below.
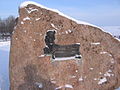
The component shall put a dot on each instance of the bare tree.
(6, 27)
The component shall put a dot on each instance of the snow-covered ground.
(4, 65)
(114, 30)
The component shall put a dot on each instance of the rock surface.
(98, 69)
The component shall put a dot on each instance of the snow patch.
(108, 73)
(26, 3)
(106, 53)
(37, 19)
(53, 82)
(64, 58)
(97, 43)
(69, 31)
(66, 32)
(25, 31)
(41, 56)
(30, 10)
(100, 73)
(73, 76)
(91, 68)
(96, 79)
(22, 22)
(53, 26)
(40, 85)
(26, 18)
(68, 86)
(81, 78)
(76, 70)
(34, 40)
(58, 87)
(102, 81)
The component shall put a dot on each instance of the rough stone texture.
(30, 71)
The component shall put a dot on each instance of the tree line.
(6, 27)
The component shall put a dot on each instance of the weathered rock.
(98, 69)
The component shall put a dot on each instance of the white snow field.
(4, 65)
(114, 30)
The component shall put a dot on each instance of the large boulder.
(38, 62)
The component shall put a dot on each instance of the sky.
(97, 12)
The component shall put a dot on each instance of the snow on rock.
(81, 78)
(105, 53)
(64, 58)
(58, 88)
(26, 18)
(66, 32)
(73, 76)
(53, 81)
(96, 79)
(91, 68)
(41, 56)
(24, 4)
(102, 81)
(37, 19)
(53, 26)
(69, 31)
(108, 73)
(68, 86)
(30, 10)
(22, 22)
(97, 43)
(40, 85)
(25, 31)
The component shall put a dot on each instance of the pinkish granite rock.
(30, 69)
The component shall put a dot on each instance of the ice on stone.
(102, 81)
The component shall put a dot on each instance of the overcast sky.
(98, 12)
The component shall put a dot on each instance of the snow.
(106, 53)
(78, 43)
(24, 4)
(81, 78)
(53, 82)
(26, 18)
(64, 58)
(25, 31)
(69, 31)
(97, 43)
(22, 22)
(53, 26)
(108, 73)
(58, 88)
(4, 65)
(118, 88)
(37, 19)
(76, 70)
(40, 85)
(102, 81)
(68, 86)
(91, 68)
(73, 76)
(95, 79)
(41, 56)
(66, 32)
(30, 10)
